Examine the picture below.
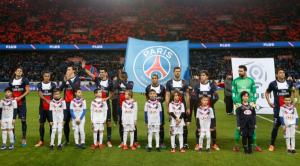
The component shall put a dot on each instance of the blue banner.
(145, 58)
(124, 46)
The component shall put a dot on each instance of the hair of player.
(8, 89)
(123, 72)
(204, 96)
(205, 72)
(243, 67)
(244, 93)
(96, 90)
(173, 94)
(46, 72)
(286, 96)
(152, 90)
(176, 68)
(279, 69)
(155, 75)
(14, 75)
(56, 90)
(77, 89)
(129, 92)
(103, 68)
(73, 68)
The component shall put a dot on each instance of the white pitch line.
(264, 118)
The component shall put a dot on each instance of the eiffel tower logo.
(156, 66)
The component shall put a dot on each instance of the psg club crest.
(145, 58)
(158, 60)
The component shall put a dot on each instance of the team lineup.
(181, 101)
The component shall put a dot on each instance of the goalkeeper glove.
(252, 104)
(237, 105)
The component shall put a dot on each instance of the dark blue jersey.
(47, 92)
(106, 86)
(280, 89)
(208, 89)
(69, 88)
(179, 85)
(19, 88)
(122, 87)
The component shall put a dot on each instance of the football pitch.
(31, 155)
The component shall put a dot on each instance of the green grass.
(30, 155)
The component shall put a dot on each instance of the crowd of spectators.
(52, 21)
(217, 62)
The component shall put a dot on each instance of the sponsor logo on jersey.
(247, 112)
(205, 117)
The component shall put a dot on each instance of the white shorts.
(57, 125)
(78, 126)
(204, 133)
(128, 127)
(153, 128)
(290, 131)
(7, 125)
(176, 130)
(98, 126)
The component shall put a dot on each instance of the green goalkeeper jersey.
(239, 85)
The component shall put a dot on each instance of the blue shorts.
(44, 115)
(276, 121)
(22, 111)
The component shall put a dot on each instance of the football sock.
(135, 135)
(131, 138)
(95, 138)
(82, 136)
(181, 141)
(237, 137)
(108, 133)
(288, 142)
(214, 137)
(125, 137)
(197, 136)
(4, 136)
(157, 139)
(250, 141)
(67, 131)
(101, 138)
(42, 132)
(244, 140)
(76, 135)
(59, 135)
(11, 136)
(162, 133)
(185, 134)
(150, 139)
(207, 139)
(293, 143)
(273, 136)
(24, 128)
(254, 138)
(201, 140)
(53, 136)
(173, 141)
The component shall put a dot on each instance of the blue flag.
(145, 58)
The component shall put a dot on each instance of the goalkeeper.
(240, 84)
